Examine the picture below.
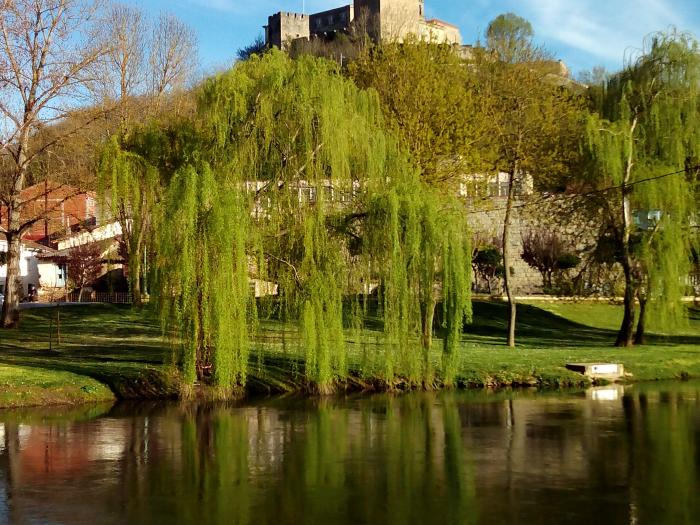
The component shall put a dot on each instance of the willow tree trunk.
(625, 335)
(641, 322)
(507, 258)
(135, 279)
(427, 316)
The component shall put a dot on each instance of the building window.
(308, 194)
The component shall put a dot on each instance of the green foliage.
(425, 238)
(568, 261)
(129, 188)
(509, 36)
(430, 101)
(203, 276)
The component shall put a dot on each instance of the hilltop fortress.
(382, 20)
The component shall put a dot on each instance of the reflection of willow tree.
(198, 473)
(397, 460)
(9, 463)
(392, 460)
(292, 179)
(663, 483)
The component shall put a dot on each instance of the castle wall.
(332, 21)
(440, 32)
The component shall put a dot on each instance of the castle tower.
(390, 20)
(282, 28)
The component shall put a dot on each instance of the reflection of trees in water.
(391, 460)
(406, 459)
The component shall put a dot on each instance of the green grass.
(27, 386)
(549, 335)
(122, 348)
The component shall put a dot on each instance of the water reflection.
(630, 456)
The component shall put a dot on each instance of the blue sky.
(583, 33)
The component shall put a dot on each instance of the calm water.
(607, 456)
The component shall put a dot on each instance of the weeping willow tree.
(133, 185)
(289, 184)
(644, 142)
(427, 258)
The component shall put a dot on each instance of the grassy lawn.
(122, 348)
(119, 348)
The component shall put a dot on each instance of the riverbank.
(119, 352)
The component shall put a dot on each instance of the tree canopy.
(430, 101)
(510, 37)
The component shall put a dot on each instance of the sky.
(582, 33)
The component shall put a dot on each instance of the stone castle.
(382, 20)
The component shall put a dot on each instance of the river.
(608, 455)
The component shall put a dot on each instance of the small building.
(440, 32)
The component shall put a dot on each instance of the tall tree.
(147, 62)
(509, 37)
(429, 99)
(122, 73)
(644, 143)
(48, 50)
(173, 55)
(533, 122)
(290, 177)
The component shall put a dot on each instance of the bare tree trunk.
(13, 281)
(507, 258)
(135, 279)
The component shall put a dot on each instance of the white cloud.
(604, 29)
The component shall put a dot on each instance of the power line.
(547, 197)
